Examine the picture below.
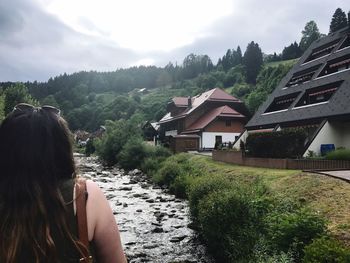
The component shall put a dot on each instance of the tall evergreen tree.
(338, 20)
(309, 35)
(239, 54)
(252, 60)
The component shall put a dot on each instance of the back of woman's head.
(35, 155)
(35, 146)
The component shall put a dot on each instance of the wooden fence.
(298, 164)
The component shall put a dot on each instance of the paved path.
(207, 153)
(341, 174)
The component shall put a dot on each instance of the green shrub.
(151, 165)
(292, 231)
(179, 187)
(326, 250)
(263, 254)
(133, 153)
(117, 134)
(202, 187)
(155, 156)
(281, 144)
(231, 221)
(174, 166)
(167, 173)
(339, 154)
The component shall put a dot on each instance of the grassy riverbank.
(247, 214)
(326, 195)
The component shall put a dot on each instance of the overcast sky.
(40, 39)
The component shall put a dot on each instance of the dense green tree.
(273, 57)
(230, 59)
(2, 113)
(291, 52)
(253, 60)
(309, 35)
(193, 65)
(267, 81)
(239, 55)
(18, 93)
(338, 20)
(234, 75)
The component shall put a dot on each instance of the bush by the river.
(176, 172)
(116, 136)
(326, 250)
(293, 230)
(231, 221)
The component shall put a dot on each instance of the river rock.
(177, 239)
(125, 188)
(158, 230)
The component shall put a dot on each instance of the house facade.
(314, 95)
(212, 117)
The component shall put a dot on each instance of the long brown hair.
(35, 156)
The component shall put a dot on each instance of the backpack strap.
(81, 196)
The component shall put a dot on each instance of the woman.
(37, 206)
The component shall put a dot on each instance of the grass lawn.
(283, 62)
(326, 195)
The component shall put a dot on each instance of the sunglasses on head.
(25, 107)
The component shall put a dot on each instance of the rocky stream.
(153, 224)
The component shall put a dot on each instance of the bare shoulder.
(102, 226)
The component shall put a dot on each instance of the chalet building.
(150, 131)
(315, 95)
(201, 121)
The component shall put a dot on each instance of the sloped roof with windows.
(216, 95)
(317, 87)
(205, 120)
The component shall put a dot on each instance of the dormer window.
(322, 50)
(282, 102)
(318, 94)
(336, 65)
(302, 76)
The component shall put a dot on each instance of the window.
(336, 65)
(322, 50)
(302, 76)
(228, 123)
(318, 94)
(218, 139)
(282, 102)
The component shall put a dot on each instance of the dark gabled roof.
(307, 78)
(206, 119)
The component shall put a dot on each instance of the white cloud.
(142, 25)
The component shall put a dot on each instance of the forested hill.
(88, 99)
